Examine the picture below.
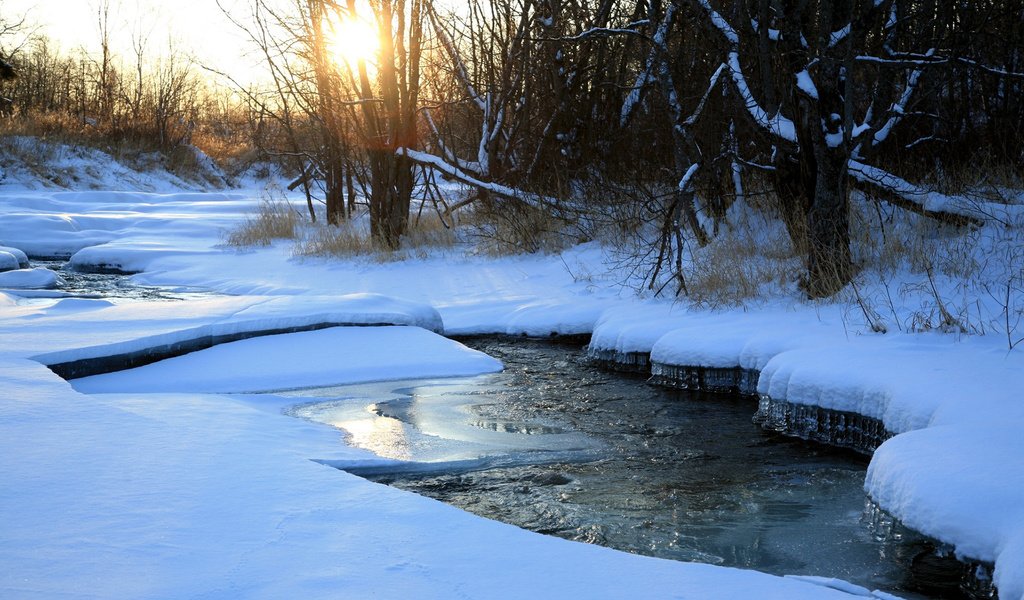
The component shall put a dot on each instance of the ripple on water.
(560, 447)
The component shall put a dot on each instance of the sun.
(352, 40)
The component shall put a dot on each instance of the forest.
(649, 117)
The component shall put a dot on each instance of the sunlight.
(352, 40)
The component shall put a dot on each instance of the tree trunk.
(829, 268)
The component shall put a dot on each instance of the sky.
(197, 27)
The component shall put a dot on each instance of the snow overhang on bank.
(115, 337)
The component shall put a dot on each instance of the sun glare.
(352, 40)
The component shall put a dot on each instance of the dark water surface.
(559, 446)
(116, 287)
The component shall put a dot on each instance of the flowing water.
(558, 446)
(115, 287)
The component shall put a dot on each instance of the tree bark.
(829, 267)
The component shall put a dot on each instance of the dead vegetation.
(275, 219)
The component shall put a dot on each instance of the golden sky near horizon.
(196, 27)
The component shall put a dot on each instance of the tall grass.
(274, 220)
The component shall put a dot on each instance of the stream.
(115, 287)
(559, 446)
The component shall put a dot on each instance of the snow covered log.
(954, 210)
(438, 164)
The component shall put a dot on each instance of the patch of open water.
(115, 287)
(559, 446)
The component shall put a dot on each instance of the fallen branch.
(438, 164)
(954, 210)
(307, 174)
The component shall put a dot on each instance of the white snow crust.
(167, 490)
(37, 278)
(18, 254)
(306, 359)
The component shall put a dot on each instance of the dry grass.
(427, 230)
(275, 220)
(341, 241)
(751, 258)
(502, 227)
(138, 144)
(351, 239)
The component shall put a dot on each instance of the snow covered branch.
(692, 119)
(438, 164)
(776, 124)
(955, 210)
(899, 108)
(653, 60)
(601, 33)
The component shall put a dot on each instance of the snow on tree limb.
(721, 24)
(686, 183)
(898, 109)
(647, 75)
(777, 124)
(692, 119)
(438, 164)
(456, 58)
(955, 210)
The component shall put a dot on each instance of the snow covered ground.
(147, 483)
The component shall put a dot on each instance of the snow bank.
(308, 359)
(32, 163)
(128, 257)
(8, 262)
(635, 328)
(38, 278)
(19, 256)
(47, 235)
(187, 495)
(969, 496)
(167, 329)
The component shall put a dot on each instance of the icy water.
(116, 287)
(561, 447)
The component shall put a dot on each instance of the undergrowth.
(275, 219)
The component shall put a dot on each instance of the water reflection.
(443, 420)
(559, 447)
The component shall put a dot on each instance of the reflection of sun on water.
(352, 40)
(383, 436)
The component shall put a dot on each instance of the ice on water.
(440, 421)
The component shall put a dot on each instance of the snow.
(37, 278)
(19, 256)
(839, 584)
(806, 84)
(182, 492)
(8, 261)
(131, 328)
(307, 359)
(930, 200)
(32, 163)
